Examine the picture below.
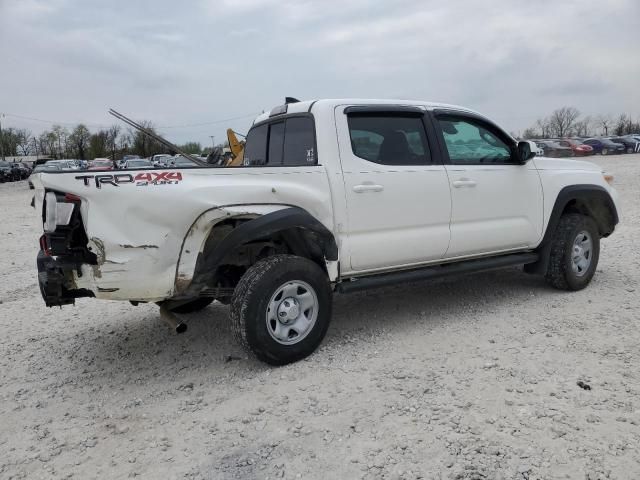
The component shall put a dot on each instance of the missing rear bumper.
(52, 280)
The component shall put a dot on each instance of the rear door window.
(389, 139)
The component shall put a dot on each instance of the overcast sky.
(180, 63)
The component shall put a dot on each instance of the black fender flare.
(260, 227)
(600, 206)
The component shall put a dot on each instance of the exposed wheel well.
(293, 240)
(235, 244)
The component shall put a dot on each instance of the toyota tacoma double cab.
(332, 196)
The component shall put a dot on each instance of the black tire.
(604, 151)
(193, 306)
(251, 299)
(560, 273)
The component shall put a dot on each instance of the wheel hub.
(292, 312)
(581, 253)
(288, 310)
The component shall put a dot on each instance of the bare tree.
(61, 134)
(48, 143)
(112, 140)
(606, 122)
(544, 126)
(142, 144)
(79, 141)
(10, 141)
(563, 120)
(98, 144)
(625, 125)
(24, 141)
(583, 127)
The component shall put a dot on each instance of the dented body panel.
(147, 237)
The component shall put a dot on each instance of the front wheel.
(604, 151)
(281, 308)
(574, 252)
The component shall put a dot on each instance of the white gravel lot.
(467, 378)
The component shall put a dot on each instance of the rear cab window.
(289, 141)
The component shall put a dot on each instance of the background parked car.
(6, 172)
(44, 167)
(554, 150)
(100, 164)
(179, 161)
(137, 163)
(635, 137)
(161, 159)
(536, 149)
(65, 164)
(630, 144)
(579, 149)
(604, 146)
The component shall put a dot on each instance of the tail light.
(44, 246)
(58, 212)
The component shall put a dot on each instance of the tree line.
(80, 143)
(569, 122)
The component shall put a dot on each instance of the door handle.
(464, 182)
(367, 187)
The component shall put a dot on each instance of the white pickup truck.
(333, 196)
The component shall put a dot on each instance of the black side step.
(406, 276)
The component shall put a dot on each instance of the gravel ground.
(467, 378)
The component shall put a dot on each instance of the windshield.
(100, 163)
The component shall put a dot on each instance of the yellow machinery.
(237, 149)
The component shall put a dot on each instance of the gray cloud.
(186, 63)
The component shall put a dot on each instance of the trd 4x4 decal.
(141, 179)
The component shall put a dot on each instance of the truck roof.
(329, 103)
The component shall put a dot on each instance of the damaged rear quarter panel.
(141, 234)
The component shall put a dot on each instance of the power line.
(214, 122)
(54, 122)
(97, 125)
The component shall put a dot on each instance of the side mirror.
(524, 152)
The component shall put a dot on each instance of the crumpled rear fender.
(195, 239)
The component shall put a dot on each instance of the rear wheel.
(281, 308)
(574, 252)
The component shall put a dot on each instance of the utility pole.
(1, 137)
(213, 143)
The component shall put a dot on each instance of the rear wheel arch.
(243, 240)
